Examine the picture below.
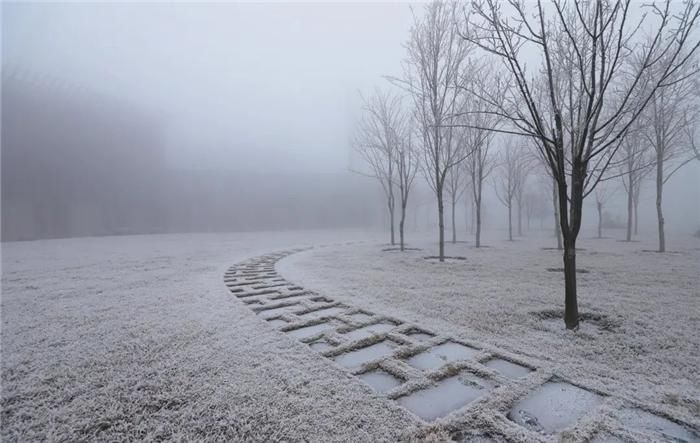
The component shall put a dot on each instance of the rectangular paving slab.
(646, 421)
(380, 380)
(508, 368)
(370, 330)
(308, 331)
(450, 394)
(433, 358)
(553, 407)
(277, 311)
(334, 310)
(363, 355)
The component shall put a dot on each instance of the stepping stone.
(418, 334)
(276, 311)
(508, 368)
(553, 407)
(370, 330)
(277, 322)
(324, 312)
(360, 316)
(449, 395)
(646, 421)
(308, 331)
(321, 345)
(380, 380)
(364, 355)
(448, 352)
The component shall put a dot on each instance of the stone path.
(462, 385)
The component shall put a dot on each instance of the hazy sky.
(239, 84)
(248, 86)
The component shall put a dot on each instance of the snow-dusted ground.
(642, 343)
(137, 338)
(130, 338)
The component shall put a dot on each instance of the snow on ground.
(137, 338)
(641, 342)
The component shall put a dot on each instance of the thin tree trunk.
(441, 225)
(630, 191)
(391, 219)
(659, 194)
(477, 207)
(401, 224)
(520, 220)
(454, 225)
(600, 219)
(636, 212)
(473, 223)
(557, 226)
(510, 223)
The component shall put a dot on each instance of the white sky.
(240, 84)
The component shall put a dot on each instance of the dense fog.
(153, 118)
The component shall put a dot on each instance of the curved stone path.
(464, 385)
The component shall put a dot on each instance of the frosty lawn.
(136, 338)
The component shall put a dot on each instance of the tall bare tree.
(673, 109)
(480, 126)
(635, 164)
(603, 192)
(377, 142)
(407, 164)
(585, 92)
(432, 69)
(455, 186)
(512, 172)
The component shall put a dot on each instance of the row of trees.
(584, 89)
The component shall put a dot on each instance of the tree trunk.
(570, 224)
(557, 226)
(520, 220)
(630, 193)
(472, 225)
(477, 207)
(636, 212)
(441, 224)
(454, 225)
(600, 219)
(659, 194)
(570, 302)
(391, 219)
(401, 224)
(510, 222)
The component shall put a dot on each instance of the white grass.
(645, 347)
(137, 338)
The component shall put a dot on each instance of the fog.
(148, 118)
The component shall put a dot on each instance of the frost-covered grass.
(137, 338)
(641, 341)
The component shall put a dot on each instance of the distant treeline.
(78, 164)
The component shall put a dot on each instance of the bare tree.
(377, 143)
(603, 192)
(535, 206)
(512, 169)
(407, 164)
(673, 109)
(431, 74)
(480, 126)
(455, 186)
(636, 163)
(585, 94)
